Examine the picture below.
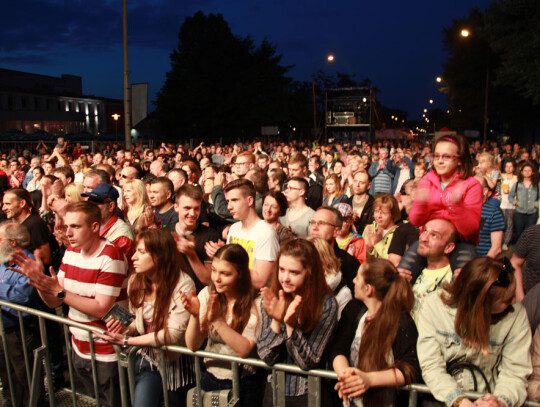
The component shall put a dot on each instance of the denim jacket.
(506, 366)
(527, 198)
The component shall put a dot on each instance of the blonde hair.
(486, 157)
(331, 263)
(133, 212)
(74, 191)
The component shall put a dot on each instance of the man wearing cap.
(347, 239)
(114, 229)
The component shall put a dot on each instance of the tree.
(220, 85)
(513, 31)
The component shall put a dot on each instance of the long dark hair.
(534, 176)
(169, 266)
(380, 332)
(481, 281)
(238, 257)
(314, 288)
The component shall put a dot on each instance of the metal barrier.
(126, 364)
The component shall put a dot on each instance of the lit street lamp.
(116, 116)
(465, 33)
(329, 58)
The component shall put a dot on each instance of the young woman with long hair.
(225, 313)
(154, 291)
(524, 195)
(375, 347)
(474, 321)
(136, 200)
(298, 314)
(333, 193)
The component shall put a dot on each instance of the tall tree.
(220, 84)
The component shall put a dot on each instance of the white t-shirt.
(221, 369)
(260, 242)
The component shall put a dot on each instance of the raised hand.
(213, 310)
(291, 318)
(274, 307)
(191, 304)
(33, 269)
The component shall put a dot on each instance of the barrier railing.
(126, 363)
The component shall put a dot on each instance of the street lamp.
(466, 33)
(116, 116)
(329, 58)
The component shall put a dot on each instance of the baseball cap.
(101, 192)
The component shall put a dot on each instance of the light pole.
(116, 116)
(329, 58)
(465, 33)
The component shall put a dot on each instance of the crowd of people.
(381, 261)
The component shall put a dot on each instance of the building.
(32, 102)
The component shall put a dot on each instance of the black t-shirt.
(404, 236)
(168, 219)
(39, 232)
(202, 234)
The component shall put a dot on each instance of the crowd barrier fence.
(126, 363)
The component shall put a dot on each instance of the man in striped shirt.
(91, 279)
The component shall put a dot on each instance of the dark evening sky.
(398, 44)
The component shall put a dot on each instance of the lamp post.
(116, 116)
(465, 33)
(329, 58)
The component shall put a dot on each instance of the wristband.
(125, 345)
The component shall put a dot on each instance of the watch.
(61, 295)
(125, 345)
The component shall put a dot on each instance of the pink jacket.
(460, 203)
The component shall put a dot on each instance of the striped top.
(491, 220)
(302, 349)
(104, 273)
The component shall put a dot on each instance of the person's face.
(383, 216)
(383, 154)
(296, 170)
(273, 165)
(238, 204)
(330, 186)
(224, 276)
(504, 301)
(36, 174)
(48, 169)
(130, 195)
(14, 166)
(337, 168)
(312, 165)
(484, 165)
(433, 240)
(291, 274)
(143, 261)
(322, 225)
(106, 209)
(294, 191)
(89, 183)
(158, 195)
(360, 183)
(360, 285)
(34, 162)
(188, 210)
(188, 171)
(97, 159)
(509, 168)
(524, 156)
(262, 163)
(13, 206)
(445, 158)
(527, 172)
(78, 232)
(242, 166)
(419, 172)
(270, 210)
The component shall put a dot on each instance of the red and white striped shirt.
(104, 273)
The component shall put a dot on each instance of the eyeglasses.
(444, 157)
(294, 188)
(319, 223)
